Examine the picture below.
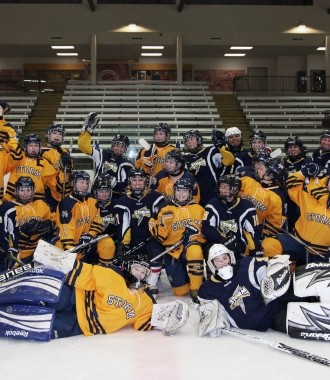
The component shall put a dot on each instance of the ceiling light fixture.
(235, 55)
(241, 47)
(301, 25)
(63, 47)
(132, 25)
(152, 47)
(321, 48)
(67, 54)
(151, 54)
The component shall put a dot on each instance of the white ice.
(134, 355)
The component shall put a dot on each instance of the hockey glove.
(311, 169)
(4, 137)
(11, 257)
(121, 250)
(256, 253)
(218, 138)
(36, 227)
(66, 162)
(324, 172)
(189, 231)
(85, 239)
(90, 122)
(4, 107)
(277, 280)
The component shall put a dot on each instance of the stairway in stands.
(231, 114)
(43, 114)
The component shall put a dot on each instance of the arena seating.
(21, 109)
(282, 116)
(133, 108)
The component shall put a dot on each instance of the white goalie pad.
(307, 320)
(169, 317)
(212, 319)
(53, 257)
(312, 280)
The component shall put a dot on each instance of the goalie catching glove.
(90, 123)
(36, 227)
(277, 281)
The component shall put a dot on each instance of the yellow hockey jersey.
(104, 303)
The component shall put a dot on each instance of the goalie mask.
(234, 139)
(174, 162)
(162, 133)
(137, 268)
(182, 191)
(119, 145)
(257, 141)
(221, 261)
(80, 181)
(137, 181)
(24, 190)
(32, 146)
(294, 148)
(193, 141)
(228, 187)
(55, 135)
(102, 188)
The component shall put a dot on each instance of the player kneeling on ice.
(254, 294)
(89, 300)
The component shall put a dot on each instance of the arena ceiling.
(208, 28)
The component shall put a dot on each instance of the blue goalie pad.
(39, 285)
(26, 322)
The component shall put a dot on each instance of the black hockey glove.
(85, 239)
(120, 255)
(218, 138)
(36, 227)
(5, 107)
(11, 257)
(66, 162)
(311, 169)
(188, 233)
(91, 122)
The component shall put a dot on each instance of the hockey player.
(234, 140)
(254, 294)
(60, 159)
(79, 220)
(205, 163)
(267, 196)
(321, 156)
(231, 220)
(10, 151)
(110, 161)
(94, 300)
(174, 169)
(178, 221)
(133, 212)
(151, 160)
(311, 228)
(37, 168)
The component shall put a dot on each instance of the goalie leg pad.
(313, 280)
(26, 322)
(40, 285)
(170, 317)
(212, 319)
(308, 320)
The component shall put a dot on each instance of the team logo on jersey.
(227, 226)
(195, 166)
(28, 170)
(109, 219)
(237, 299)
(64, 214)
(109, 166)
(141, 213)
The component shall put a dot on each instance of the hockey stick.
(65, 170)
(302, 243)
(147, 146)
(169, 249)
(275, 153)
(279, 346)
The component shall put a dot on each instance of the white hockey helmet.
(232, 131)
(226, 272)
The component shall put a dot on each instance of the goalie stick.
(279, 346)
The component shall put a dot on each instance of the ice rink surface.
(134, 355)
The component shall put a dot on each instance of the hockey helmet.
(137, 188)
(234, 145)
(294, 141)
(119, 145)
(324, 142)
(234, 183)
(24, 182)
(225, 272)
(52, 138)
(31, 150)
(80, 175)
(257, 140)
(199, 140)
(159, 140)
(102, 188)
(177, 157)
(182, 191)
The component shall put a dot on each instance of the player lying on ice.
(256, 294)
(80, 298)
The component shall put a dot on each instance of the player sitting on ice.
(254, 294)
(94, 299)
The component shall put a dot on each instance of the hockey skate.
(170, 317)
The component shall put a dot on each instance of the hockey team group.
(243, 231)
